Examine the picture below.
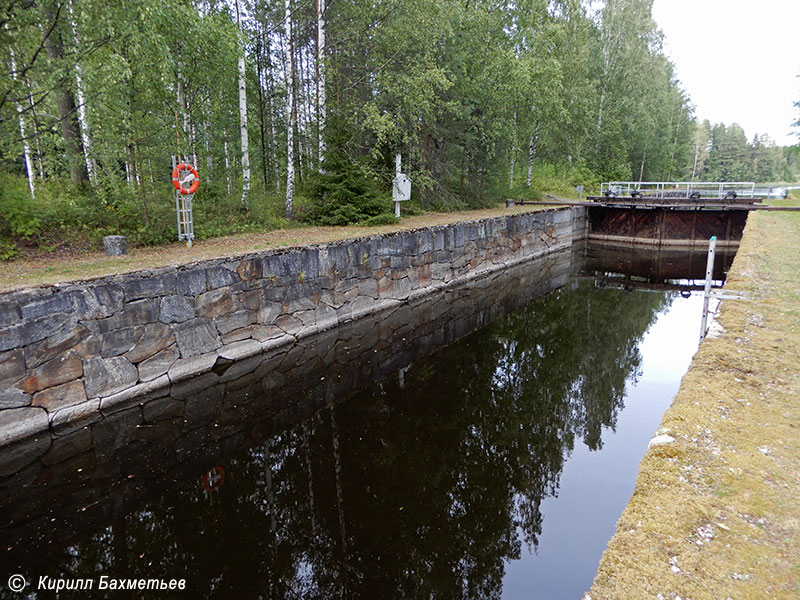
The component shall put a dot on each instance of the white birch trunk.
(228, 167)
(321, 107)
(26, 148)
(243, 118)
(209, 156)
(273, 137)
(193, 130)
(289, 111)
(513, 154)
(83, 121)
(531, 155)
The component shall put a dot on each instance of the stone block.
(176, 309)
(262, 333)
(13, 397)
(157, 284)
(289, 324)
(30, 332)
(47, 305)
(106, 376)
(12, 365)
(251, 299)
(197, 336)
(73, 418)
(309, 263)
(192, 282)
(9, 313)
(216, 303)
(240, 350)
(98, 301)
(158, 364)
(139, 312)
(185, 368)
(249, 269)
(237, 335)
(307, 317)
(120, 341)
(115, 245)
(236, 320)
(60, 396)
(268, 313)
(19, 423)
(220, 276)
(125, 399)
(155, 338)
(56, 344)
(54, 372)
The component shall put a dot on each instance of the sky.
(739, 61)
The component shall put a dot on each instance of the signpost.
(401, 187)
(580, 191)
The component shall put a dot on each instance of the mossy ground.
(59, 268)
(716, 513)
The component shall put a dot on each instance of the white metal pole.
(712, 244)
(397, 171)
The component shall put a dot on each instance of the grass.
(59, 268)
(715, 514)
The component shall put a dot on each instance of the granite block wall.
(73, 351)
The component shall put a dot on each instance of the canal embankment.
(77, 350)
(714, 513)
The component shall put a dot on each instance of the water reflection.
(422, 484)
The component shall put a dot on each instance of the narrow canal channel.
(479, 445)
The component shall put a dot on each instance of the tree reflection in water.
(421, 485)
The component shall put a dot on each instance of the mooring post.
(712, 244)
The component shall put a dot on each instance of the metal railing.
(679, 189)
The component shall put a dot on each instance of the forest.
(293, 110)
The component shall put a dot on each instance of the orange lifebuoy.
(176, 179)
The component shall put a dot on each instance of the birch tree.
(83, 121)
(243, 116)
(290, 110)
(67, 110)
(26, 148)
(321, 91)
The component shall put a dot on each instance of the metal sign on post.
(186, 181)
(580, 189)
(401, 187)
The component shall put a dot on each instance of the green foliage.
(382, 219)
(459, 88)
(18, 217)
(343, 195)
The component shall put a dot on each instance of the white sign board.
(401, 188)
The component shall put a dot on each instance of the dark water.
(481, 444)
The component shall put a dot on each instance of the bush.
(382, 219)
(19, 215)
(344, 195)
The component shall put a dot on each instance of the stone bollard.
(115, 245)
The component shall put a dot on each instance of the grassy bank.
(59, 267)
(715, 512)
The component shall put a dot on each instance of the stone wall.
(139, 450)
(71, 351)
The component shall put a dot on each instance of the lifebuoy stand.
(185, 180)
